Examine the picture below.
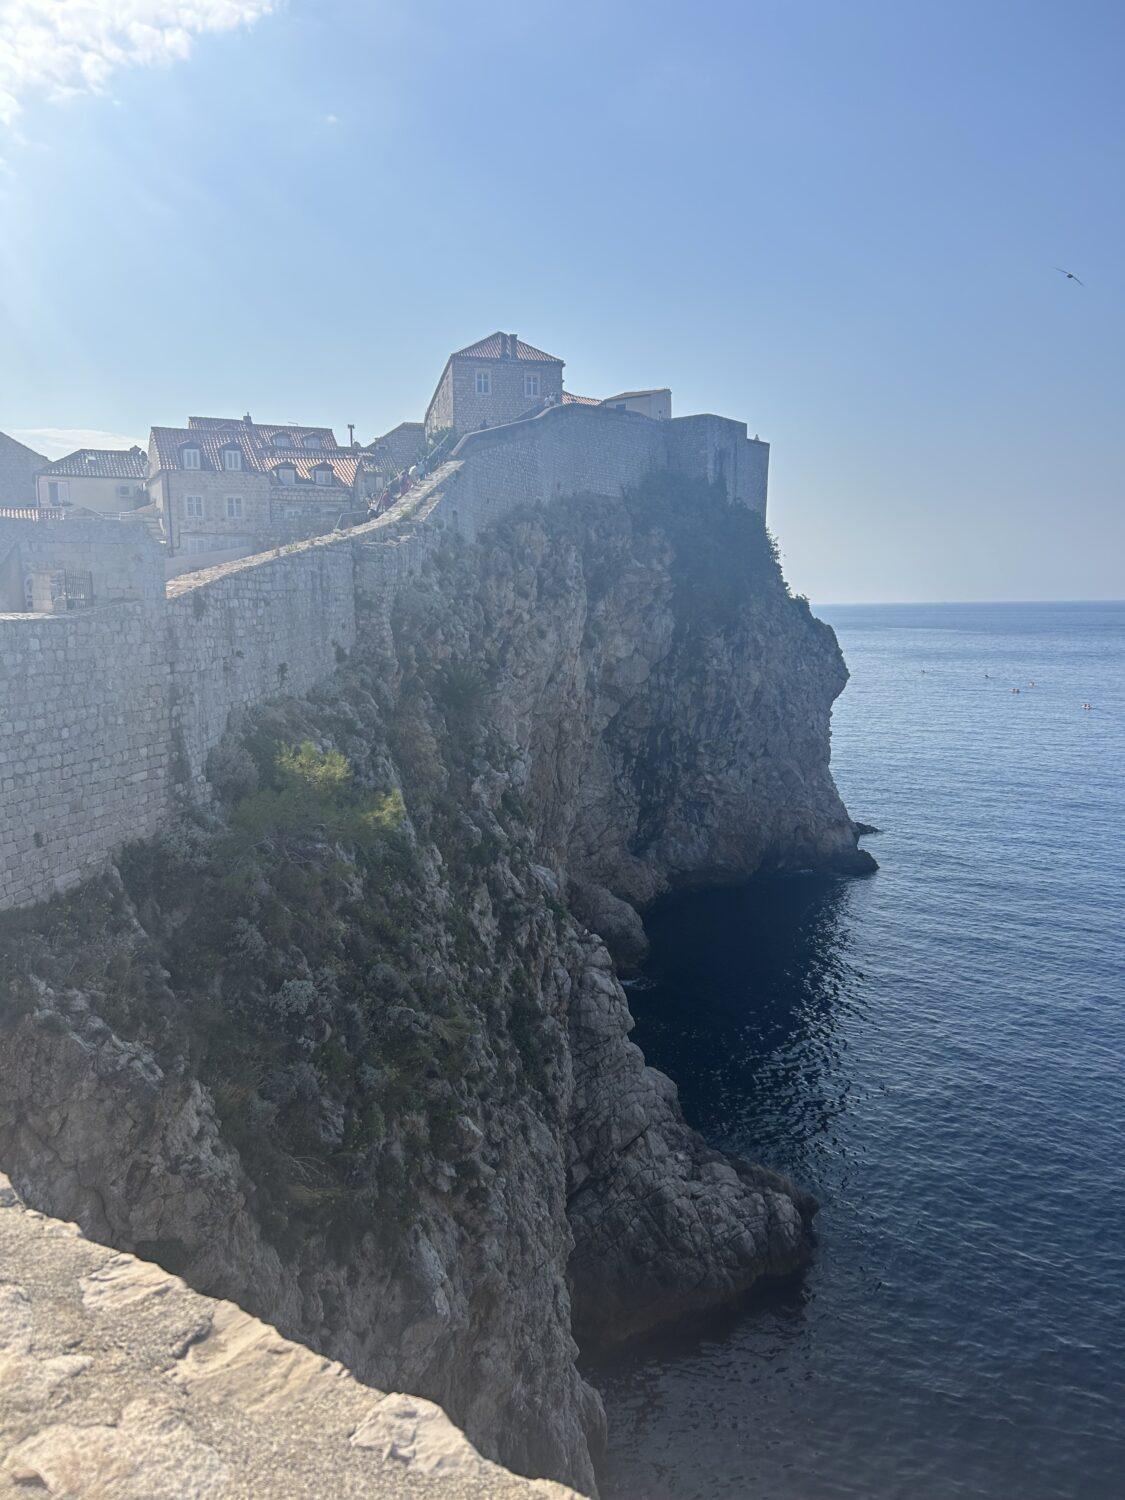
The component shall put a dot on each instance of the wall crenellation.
(109, 713)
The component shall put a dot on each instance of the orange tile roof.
(344, 464)
(255, 442)
(101, 463)
(570, 399)
(295, 430)
(499, 346)
(166, 443)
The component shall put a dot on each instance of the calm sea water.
(938, 1051)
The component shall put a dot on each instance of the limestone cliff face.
(350, 1049)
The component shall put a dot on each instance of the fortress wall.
(84, 743)
(582, 450)
(717, 448)
(130, 562)
(567, 450)
(108, 714)
(249, 630)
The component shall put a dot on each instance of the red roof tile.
(166, 444)
(256, 442)
(267, 429)
(101, 463)
(343, 464)
(500, 345)
(570, 399)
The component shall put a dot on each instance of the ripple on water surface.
(939, 1052)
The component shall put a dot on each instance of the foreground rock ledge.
(117, 1381)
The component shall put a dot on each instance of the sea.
(938, 1052)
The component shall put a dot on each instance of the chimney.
(351, 434)
(513, 344)
(248, 419)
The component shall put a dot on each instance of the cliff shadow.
(741, 1002)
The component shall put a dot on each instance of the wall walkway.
(109, 713)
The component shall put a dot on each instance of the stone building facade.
(18, 468)
(232, 484)
(399, 448)
(499, 379)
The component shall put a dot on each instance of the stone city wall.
(251, 629)
(109, 713)
(84, 743)
(130, 563)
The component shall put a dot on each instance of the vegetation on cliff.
(337, 1045)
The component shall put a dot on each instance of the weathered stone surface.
(614, 696)
(117, 1382)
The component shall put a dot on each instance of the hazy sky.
(837, 221)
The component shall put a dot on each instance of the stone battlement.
(110, 712)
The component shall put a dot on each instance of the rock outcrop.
(349, 1049)
(117, 1380)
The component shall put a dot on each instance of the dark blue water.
(938, 1051)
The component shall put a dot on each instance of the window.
(124, 491)
(193, 507)
(58, 491)
(531, 385)
(232, 458)
(286, 473)
(484, 382)
(191, 458)
(234, 507)
(323, 476)
(282, 440)
(312, 440)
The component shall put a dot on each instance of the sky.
(836, 220)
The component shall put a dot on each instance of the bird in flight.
(1070, 276)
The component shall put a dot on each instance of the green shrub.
(312, 795)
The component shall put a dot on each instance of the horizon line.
(947, 603)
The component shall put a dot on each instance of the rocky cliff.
(117, 1380)
(349, 1048)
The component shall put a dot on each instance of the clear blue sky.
(837, 221)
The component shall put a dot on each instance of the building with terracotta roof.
(501, 379)
(107, 481)
(230, 484)
(498, 379)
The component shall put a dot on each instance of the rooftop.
(266, 429)
(504, 346)
(100, 463)
(257, 442)
(345, 464)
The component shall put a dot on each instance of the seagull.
(1070, 276)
